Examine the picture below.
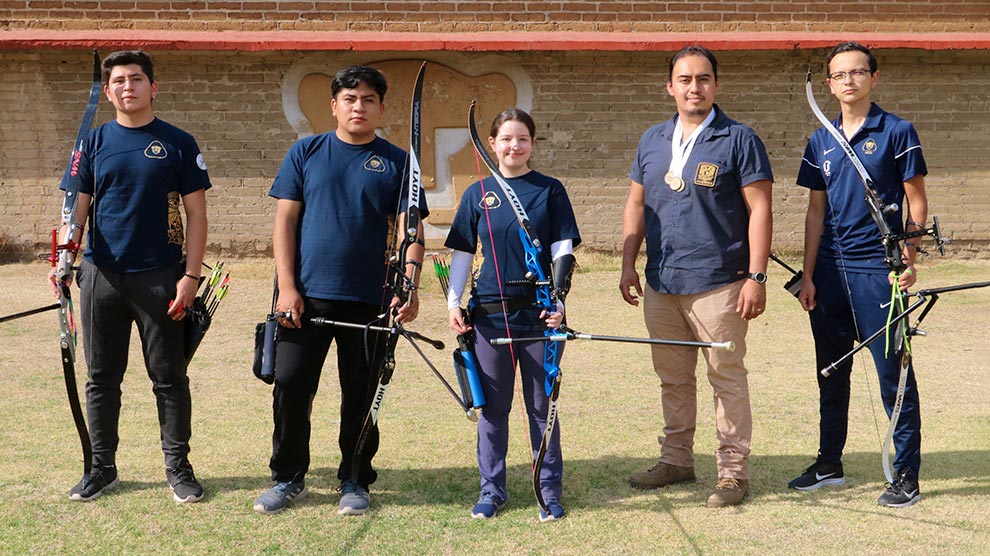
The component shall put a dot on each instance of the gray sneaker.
(354, 499)
(660, 475)
(279, 496)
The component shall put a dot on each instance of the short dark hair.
(513, 115)
(851, 46)
(352, 77)
(126, 58)
(693, 50)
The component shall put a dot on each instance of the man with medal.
(701, 198)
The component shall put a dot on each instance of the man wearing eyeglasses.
(846, 285)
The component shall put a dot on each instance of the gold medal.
(674, 181)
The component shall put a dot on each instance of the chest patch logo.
(870, 146)
(155, 149)
(490, 201)
(706, 174)
(374, 164)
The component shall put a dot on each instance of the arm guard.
(563, 267)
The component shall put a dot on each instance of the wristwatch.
(758, 277)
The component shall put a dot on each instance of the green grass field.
(610, 419)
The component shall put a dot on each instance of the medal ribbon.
(680, 151)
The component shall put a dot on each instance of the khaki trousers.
(706, 317)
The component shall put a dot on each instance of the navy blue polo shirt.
(551, 219)
(350, 195)
(697, 239)
(890, 150)
(137, 177)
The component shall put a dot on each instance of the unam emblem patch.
(706, 174)
(374, 164)
(155, 149)
(490, 201)
(870, 146)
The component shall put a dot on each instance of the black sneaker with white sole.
(92, 486)
(903, 493)
(820, 474)
(185, 487)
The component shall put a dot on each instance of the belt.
(511, 306)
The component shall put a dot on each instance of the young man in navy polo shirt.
(701, 197)
(338, 194)
(846, 287)
(132, 174)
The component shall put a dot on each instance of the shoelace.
(93, 477)
(284, 488)
(183, 475)
(349, 487)
(727, 483)
(488, 497)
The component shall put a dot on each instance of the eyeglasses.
(856, 74)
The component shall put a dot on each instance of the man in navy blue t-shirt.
(846, 287)
(132, 175)
(338, 194)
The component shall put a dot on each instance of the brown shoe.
(661, 474)
(728, 491)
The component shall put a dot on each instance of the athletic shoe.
(354, 499)
(660, 475)
(185, 487)
(820, 474)
(728, 491)
(556, 511)
(488, 506)
(91, 487)
(903, 493)
(277, 498)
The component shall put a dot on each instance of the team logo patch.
(706, 174)
(200, 162)
(490, 201)
(870, 146)
(155, 149)
(374, 164)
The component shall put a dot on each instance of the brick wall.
(591, 108)
(501, 15)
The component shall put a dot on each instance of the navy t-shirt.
(350, 195)
(697, 239)
(551, 219)
(137, 177)
(890, 150)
